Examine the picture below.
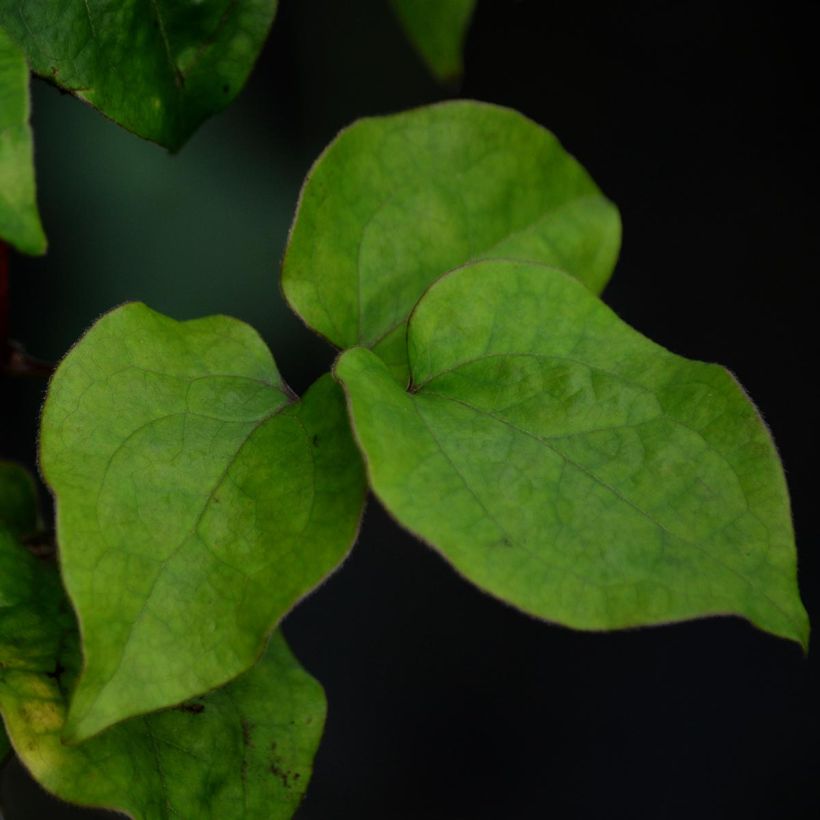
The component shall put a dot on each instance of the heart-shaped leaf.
(396, 201)
(19, 218)
(437, 29)
(197, 503)
(157, 67)
(566, 464)
(242, 751)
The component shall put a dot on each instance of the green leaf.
(396, 201)
(197, 503)
(18, 500)
(240, 752)
(19, 218)
(437, 29)
(566, 464)
(157, 67)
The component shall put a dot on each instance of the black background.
(698, 120)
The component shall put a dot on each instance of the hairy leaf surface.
(437, 29)
(240, 752)
(19, 219)
(396, 201)
(197, 503)
(568, 465)
(157, 67)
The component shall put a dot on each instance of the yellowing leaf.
(241, 752)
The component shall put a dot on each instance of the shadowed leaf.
(157, 67)
(242, 751)
(19, 219)
(18, 500)
(437, 29)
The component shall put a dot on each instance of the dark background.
(698, 120)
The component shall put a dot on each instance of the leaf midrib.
(590, 474)
(192, 531)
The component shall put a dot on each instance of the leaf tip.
(803, 633)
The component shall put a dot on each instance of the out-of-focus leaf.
(19, 218)
(437, 29)
(241, 752)
(157, 67)
(18, 500)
